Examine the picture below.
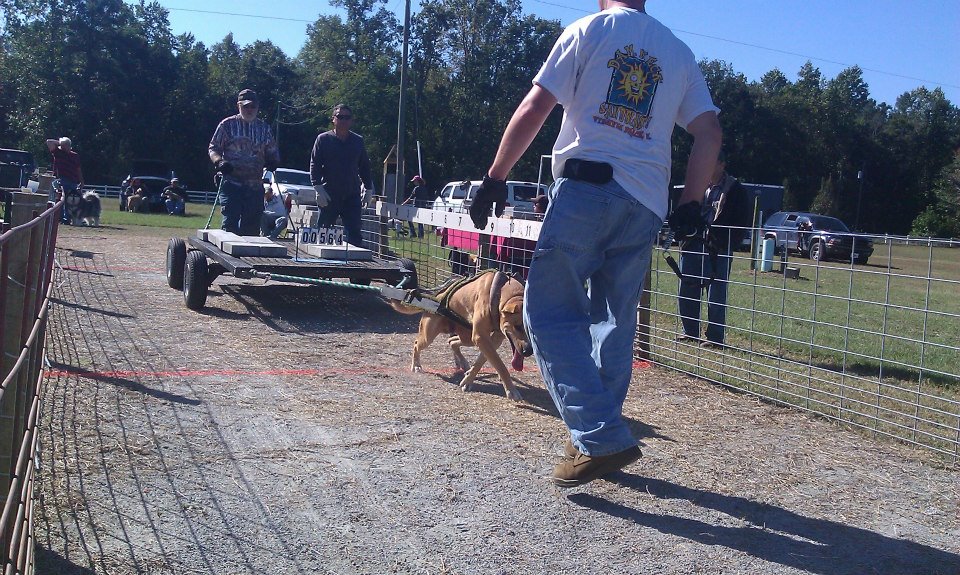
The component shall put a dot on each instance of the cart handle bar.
(296, 279)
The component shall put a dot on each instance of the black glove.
(686, 221)
(224, 167)
(491, 191)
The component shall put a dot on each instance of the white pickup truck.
(457, 196)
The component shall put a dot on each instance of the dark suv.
(154, 175)
(817, 237)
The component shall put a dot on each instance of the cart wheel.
(195, 280)
(176, 258)
(409, 269)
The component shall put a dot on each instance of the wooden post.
(643, 320)
(25, 205)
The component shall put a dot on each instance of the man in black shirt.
(339, 165)
(421, 197)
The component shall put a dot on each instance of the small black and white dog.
(83, 208)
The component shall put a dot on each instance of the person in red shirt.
(66, 167)
(66, 163)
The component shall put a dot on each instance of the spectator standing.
(340, 173)
(705, 260)
(66, 168)
(421, 197)
(274, 218)
(240, 148)
(174, 197)
(624, 80)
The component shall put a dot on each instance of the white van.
(457, 196)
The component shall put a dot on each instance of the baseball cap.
(417, 178)
(247, 96)
(174, 181)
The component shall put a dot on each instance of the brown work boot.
(582, 469)
(569, 450)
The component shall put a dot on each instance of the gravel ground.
(280, 431)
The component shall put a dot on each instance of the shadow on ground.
(313, 309)
(777, 535)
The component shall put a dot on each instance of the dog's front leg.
(466, 384)
(488, 350)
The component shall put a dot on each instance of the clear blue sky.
(899, 45)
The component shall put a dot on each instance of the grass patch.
(195, 218)
(875, 346)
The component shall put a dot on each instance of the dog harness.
(499, 280)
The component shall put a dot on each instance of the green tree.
(941, 218)
(825, 200)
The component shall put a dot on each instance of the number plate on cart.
(322, 236)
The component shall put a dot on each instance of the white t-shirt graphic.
(624, 80)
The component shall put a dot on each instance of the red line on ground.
(114, 269)
(133, 374)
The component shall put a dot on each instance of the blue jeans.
(696, 267)
(242, 206)
(272, 224)
(418, 234)
(175, 207)
(347, 207)
(580, 305)
(68, 186)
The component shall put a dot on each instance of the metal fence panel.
(26, 263)
(874, 346)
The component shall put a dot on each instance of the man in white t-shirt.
(624, 80)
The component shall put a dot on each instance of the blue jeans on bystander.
(242, 206)
(584, 285)
(697, 266)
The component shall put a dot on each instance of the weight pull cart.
(193, 264)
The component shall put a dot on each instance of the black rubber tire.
(409, 269)
(861, 261)
(195, 282)
(816, 251)
(176, 258)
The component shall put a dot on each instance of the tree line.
(115, 78)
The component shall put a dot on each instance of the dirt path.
(280, 432)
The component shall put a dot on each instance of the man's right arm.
(522, 129)
(316, 162)
(215, 149)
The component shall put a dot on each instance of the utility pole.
(401, 121)
(276, 133)
(856, 223)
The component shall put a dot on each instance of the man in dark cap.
(241, 147)
(175, 198)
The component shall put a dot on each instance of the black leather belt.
(587, 171)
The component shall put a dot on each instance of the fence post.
(643, 319)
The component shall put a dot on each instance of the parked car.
(817, 237)
(457, 196)
(16, 168)
(293, 183)
(154, 175)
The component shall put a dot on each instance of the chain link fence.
(873, 345)
(26, 264)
